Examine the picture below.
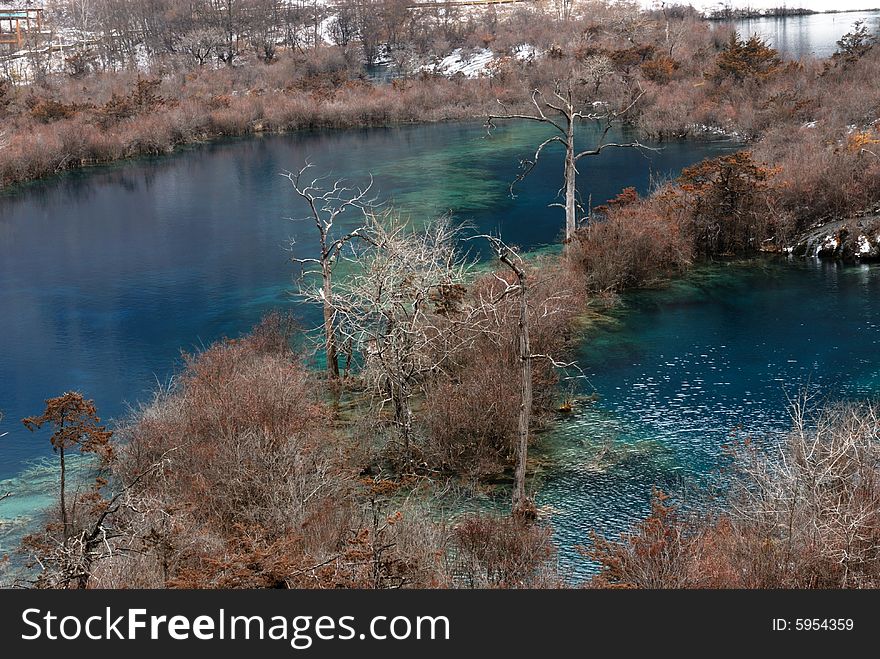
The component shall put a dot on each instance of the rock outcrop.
(854, 239)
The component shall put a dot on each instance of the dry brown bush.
(503, 552)
(470, 408)
(635, 245)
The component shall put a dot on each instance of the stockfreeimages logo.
(299, 631)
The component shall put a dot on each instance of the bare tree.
(344, 25)
(674, 35)
(563, 111)
(326, 205)
(396, 309)
(512, 261)
(815, 496)
(202, 44)
(265, 27)
(70, 560)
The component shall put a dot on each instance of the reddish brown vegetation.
(254, 489)
(504, 552)
(722, 206)
(65, 547)
(629, 245)
(76, 426)
(471, 407)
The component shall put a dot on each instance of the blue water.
(682, 371)
(106, 274)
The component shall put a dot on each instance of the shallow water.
(106, 274)
(681, 371)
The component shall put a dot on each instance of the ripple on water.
(684, 370)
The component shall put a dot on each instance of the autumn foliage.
(744, 59)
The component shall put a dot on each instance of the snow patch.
(325, 29)
(526, 53)
(704, 129)
(827, 246)
(470, 67)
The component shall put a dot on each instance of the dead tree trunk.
(520, 504)
(562, 113)
(570, 180)
(520, 501)
(325, 206)
(62, 498)
(330, 345)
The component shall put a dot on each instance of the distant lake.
(803, 36)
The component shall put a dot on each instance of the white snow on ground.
(474, 66)
(325, 29)
(23, 4)
(383, 56)
(705, 129)
(864, 245)
(827, 245)
(526, 53)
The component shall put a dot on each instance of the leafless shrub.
(803, 512)
(503, 552)
(635, 244)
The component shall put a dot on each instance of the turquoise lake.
(681, 371)
(107, 274)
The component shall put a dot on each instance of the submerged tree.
(326, 205)
(396, 309)
(514, 263)
(521, 505)
(75, 426)
(564, 110)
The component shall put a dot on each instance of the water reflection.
(814, 35)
